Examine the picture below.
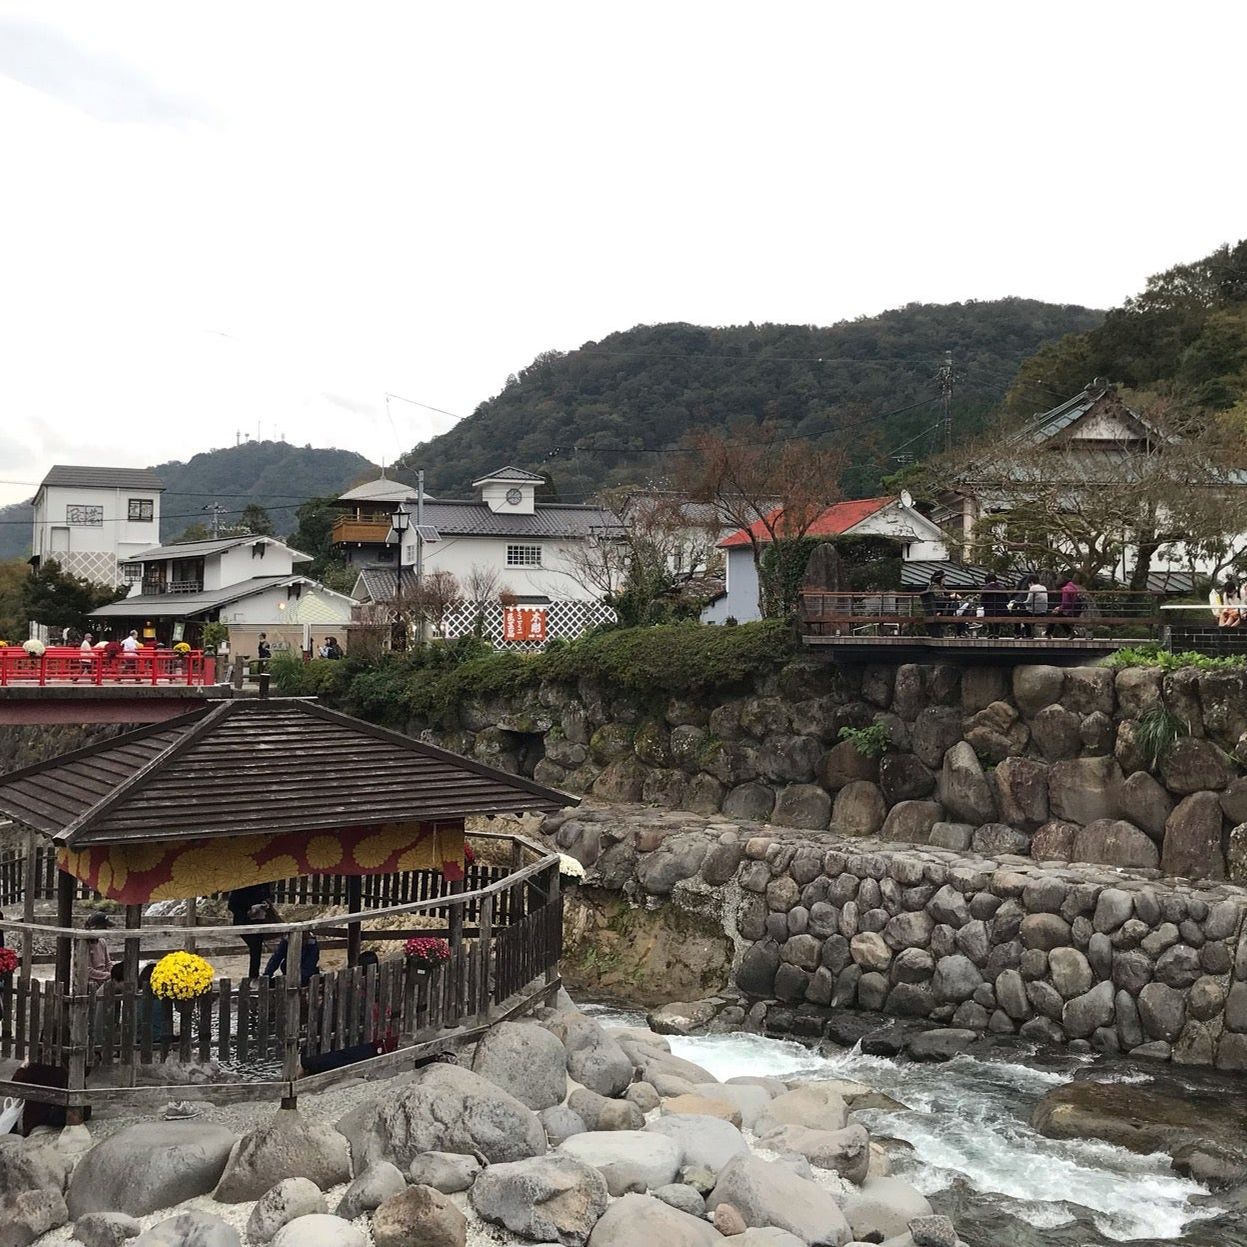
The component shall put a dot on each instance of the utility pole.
(420, 551)
(946, 398)
(217, 511)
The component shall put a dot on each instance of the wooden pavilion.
(326, 808)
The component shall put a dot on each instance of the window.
(523, 556)
(132, 572)
(142, 510)
(84, 515)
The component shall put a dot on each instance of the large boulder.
(1191, 764)
(859, 809)
(964, 790)
(911, 821)
(802, 805)
(817, 1105)
(1054, 841)
(936, 730)
(144, 1168)
(594, 1059)
(845, 763)
(1036, 687)
(290, 1198)
(288, 1145)
(1146, 804)
(1022, 792)
(846, 1151)
(526, 1061)
(370, 1189)
(882, 1208)
(28, 1215)
(704, 1142)
(443, 1109)
(106, 1229)
(1082, 790)
(549, 1199)
(750, 1100)
(32, 1164)
(319, 1230)
(191, 1229)
(1115, 842)
(1058, 733)
(448, 1172)
(904, 777)
(1193, 838)
(628, 1160)
(643, 1221)
(772, 1194)
(419, 1215)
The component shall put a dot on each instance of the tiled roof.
(837, 519)
(381, 490)
(510, 474)
(184, 605)
(256, 766)
(201, 549)
(77, 476)
(376, 584)
(552, 519)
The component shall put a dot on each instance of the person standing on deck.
(247, 907)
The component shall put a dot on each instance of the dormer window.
(514, 497)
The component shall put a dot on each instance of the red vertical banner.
(523, 623)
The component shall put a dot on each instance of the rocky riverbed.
(589, 1129)
(556, 1129)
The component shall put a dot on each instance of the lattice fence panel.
(565, 620)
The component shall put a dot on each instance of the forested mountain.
(1186, 333)
(603, 414)
(274, 475)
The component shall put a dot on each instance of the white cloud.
(223, 217)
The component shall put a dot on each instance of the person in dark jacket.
(995, 600)
(248, 906)
(309, 959)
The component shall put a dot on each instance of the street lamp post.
(400, 522)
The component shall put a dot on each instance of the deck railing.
(1116, 613)
(67, 664)
(274, 1037)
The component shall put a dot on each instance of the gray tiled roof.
(184, 605)
(510, 474)
(376, 584)
(78, 476)
(201, 549)
(553, 519)
(382, 489)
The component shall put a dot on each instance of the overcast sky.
(263, 217)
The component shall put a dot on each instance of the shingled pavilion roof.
(256, 766)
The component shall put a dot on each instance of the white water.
(968, 1119)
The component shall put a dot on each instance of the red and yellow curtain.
(133, 874)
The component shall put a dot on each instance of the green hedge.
(433, 680)
(1166, 660)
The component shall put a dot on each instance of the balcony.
(370, 532)
(172, 586)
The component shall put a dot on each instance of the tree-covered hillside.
(1186, 333)
(274, 475)
(602, 415)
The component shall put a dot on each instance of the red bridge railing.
(69, 665)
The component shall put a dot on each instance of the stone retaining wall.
(1123, 960)
(1036, 760)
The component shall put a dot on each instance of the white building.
(91, 521)
(505, 545)
(247, 582)
(918, 539)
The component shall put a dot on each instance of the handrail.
(449, 901)
(69, 664)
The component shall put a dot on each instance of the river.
(974, 1154)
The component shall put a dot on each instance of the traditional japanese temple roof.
(256, 766)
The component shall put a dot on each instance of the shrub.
(1156, 731)
(1166, 660)
(871, 742)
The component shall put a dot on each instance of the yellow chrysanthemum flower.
(181, 976)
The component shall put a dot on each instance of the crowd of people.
(1228, 603)
(1034, 606)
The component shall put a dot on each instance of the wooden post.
(65, 885)
(555, 899)
(192, 921)
(131, 1007)
(456, 915)
(292, 982)
(30, 880)
(354, 903)
(80, 1000)
(486, 944)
